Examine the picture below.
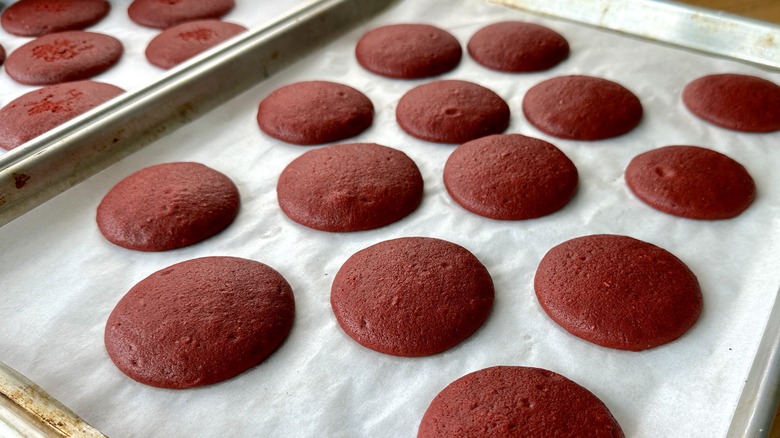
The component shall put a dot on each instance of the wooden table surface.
(766, 10)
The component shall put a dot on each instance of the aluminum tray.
(706, 30)
(720, 34)
(71, 153)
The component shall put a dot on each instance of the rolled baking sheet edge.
(758, 401)
(691, 27)
(28, 411)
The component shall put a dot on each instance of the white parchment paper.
(60, 278)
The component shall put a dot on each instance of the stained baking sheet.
(707, 30)
(156, 103)
(62, 279)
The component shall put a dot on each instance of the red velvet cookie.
(63, 57)
(315, 112)
(181, 42)
(451, 112)
(413, 296)
(691, 181)
(510, 177)
(618, 292)
(39, 17)
(168, 206)
(582, 108)
(732, 101)
(515, 46)
(200, 322)
(38, 111)
(2, 55)
(513, 401)
(408, 51)
(163, 14)
(350, 187)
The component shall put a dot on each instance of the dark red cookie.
(513, 401)
(413, 296)
(691, 181)
(451, 112)
(408, 51)
(63, 57)
(200, 322)
(2, 55)
(168, 206)
(732, 101)
(163, 14)
(618, 292)
(510, 177)
(181, 42)
(582, 108)
(39, 17)
(315, 112)
(515, 46)
(350, 187)
(38, 111)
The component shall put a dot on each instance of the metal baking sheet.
(66, 155)
(27, 411)
(644, 390)
(707, 30)
(721, 34)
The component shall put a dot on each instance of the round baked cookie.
(168, 206)
(181, 42)
(408, 51)
(515, 46)
(691, 181)
(734, 101)
(2, 55)
(350, 187)
(618, 292)
(39, 17)
(412, 296)
(38, 111)
(451, 111)
(163, 14)
(582, 108)
(63, 57)
(515, 401)
(510, 177)
(200, 322)
(315, 112)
